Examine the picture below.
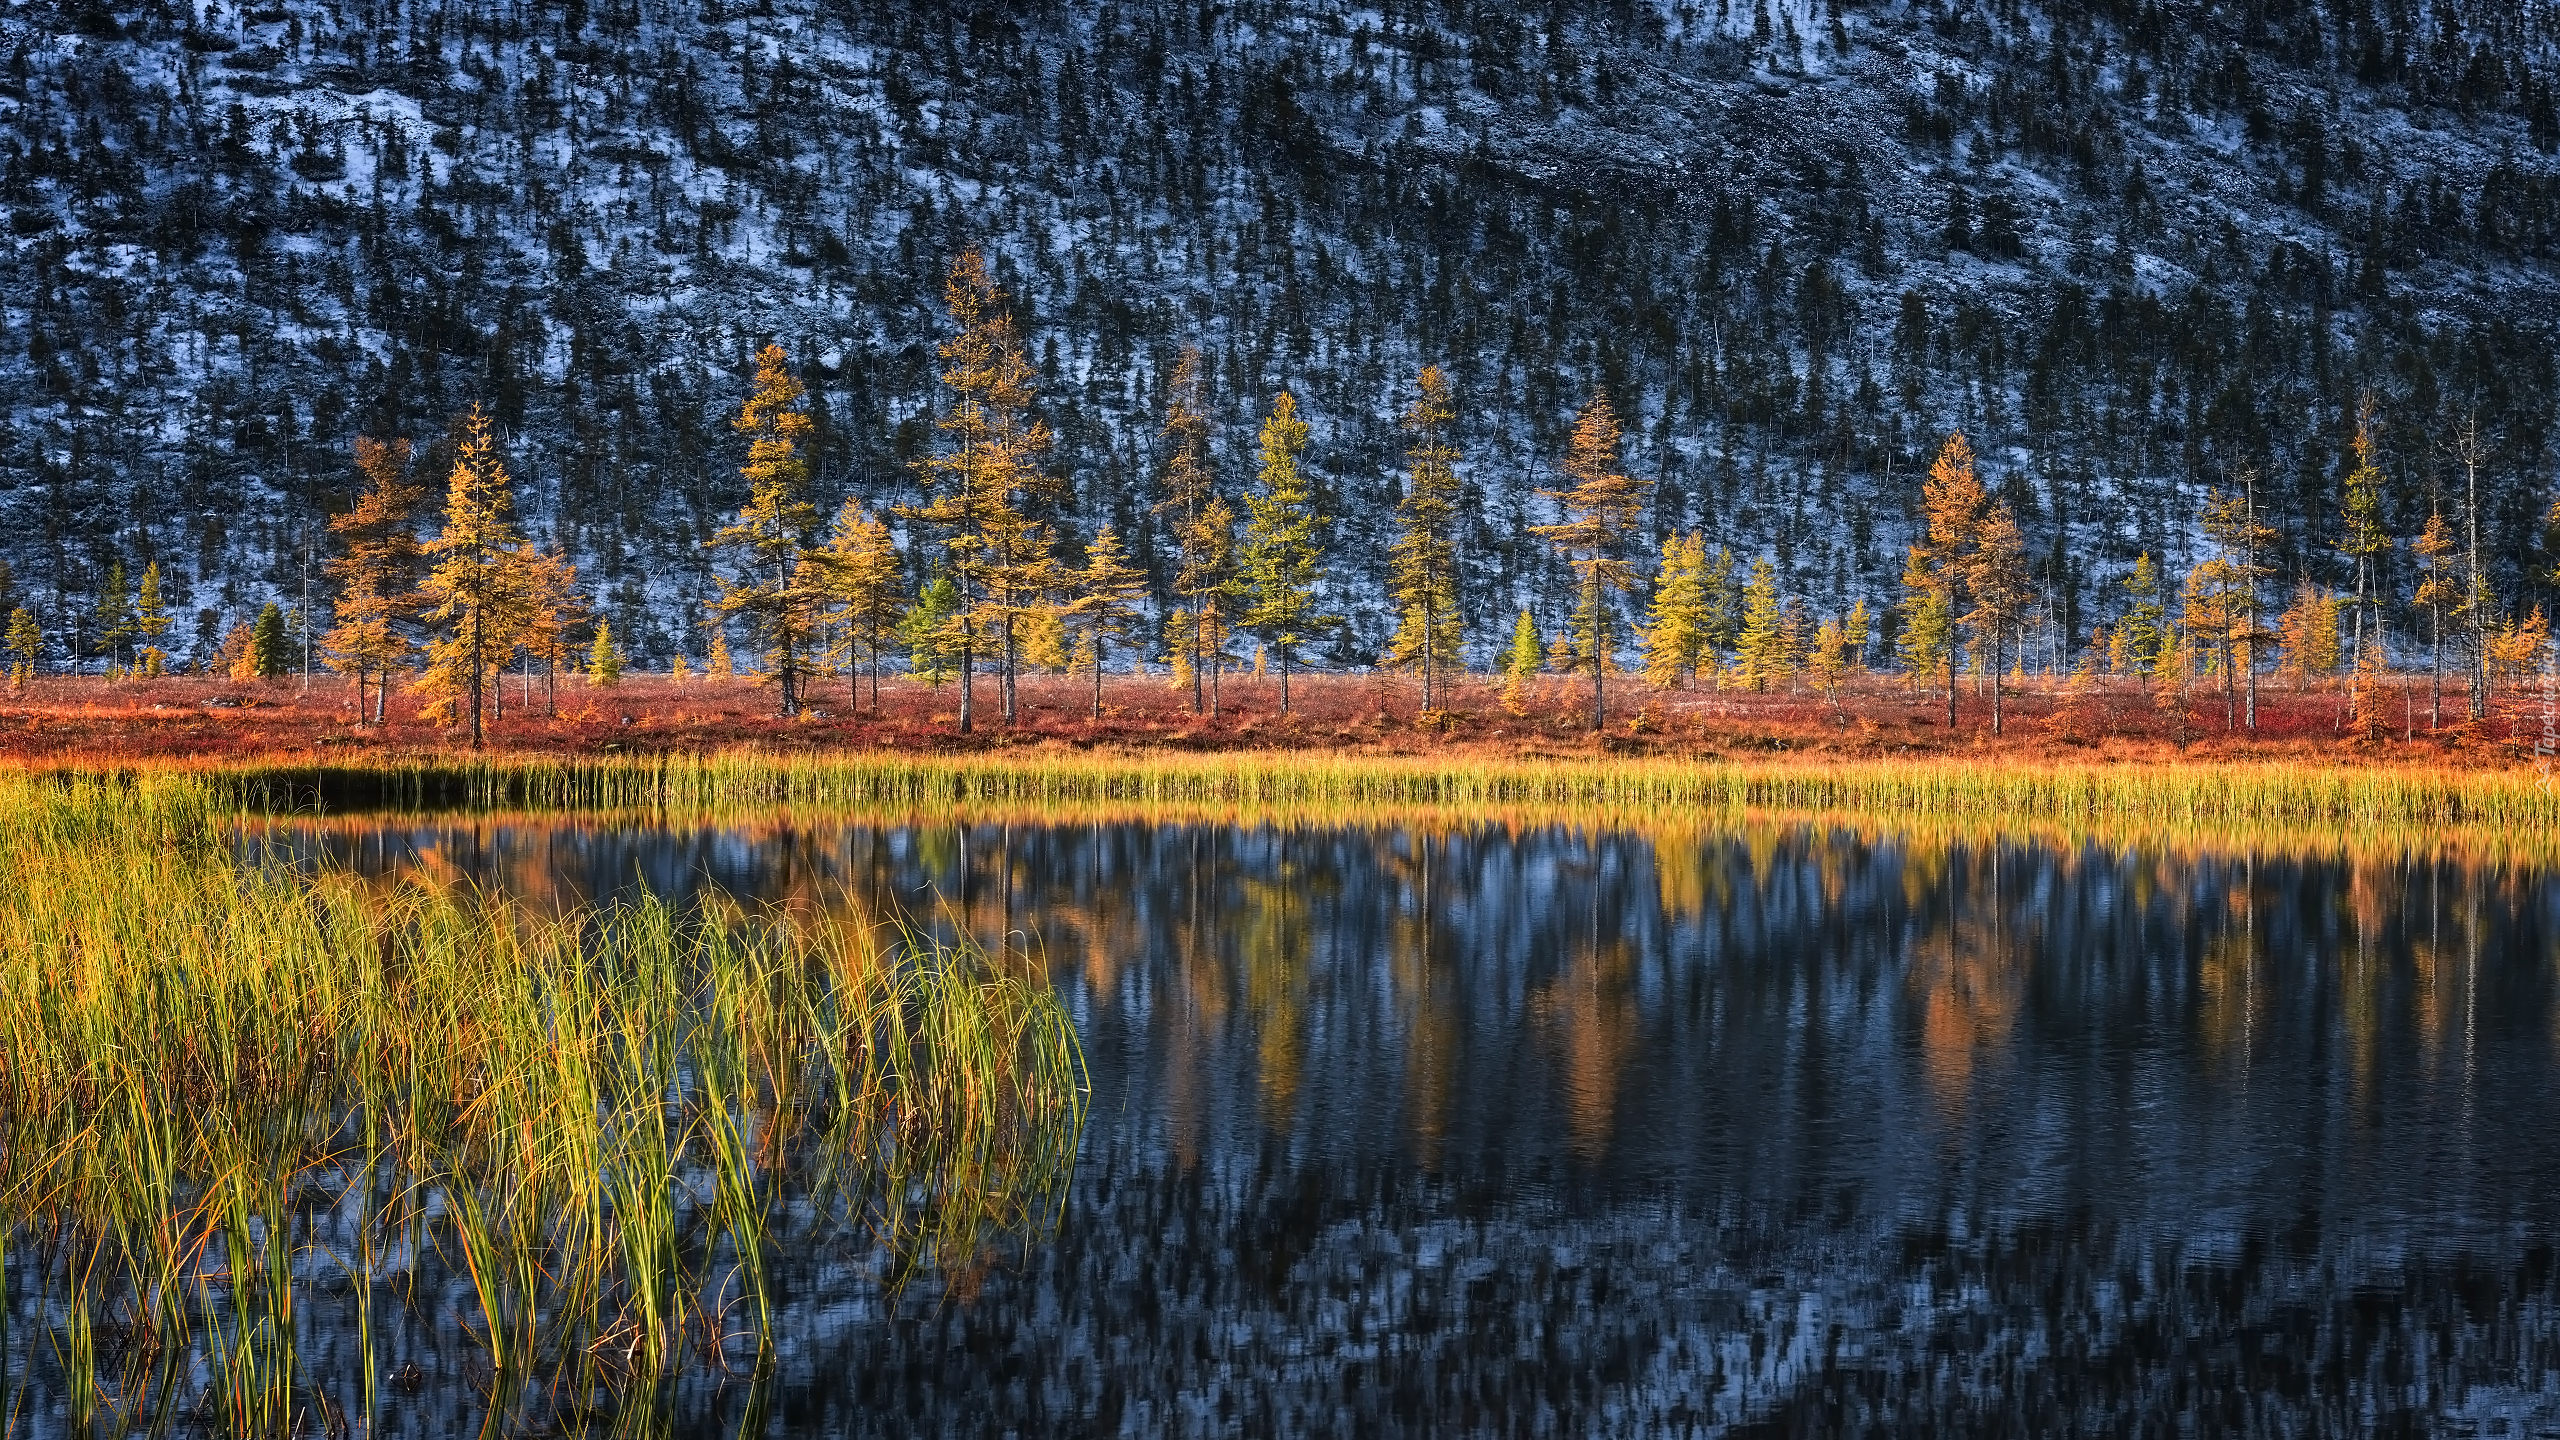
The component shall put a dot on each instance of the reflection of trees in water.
(1570, 1131)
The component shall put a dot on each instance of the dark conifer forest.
(2143, 254)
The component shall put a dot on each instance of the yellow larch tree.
(863, 588)
(475, 592)
(975, 485)
(769, 593)
(1952, 503)
(1600, 510)
(376, 575)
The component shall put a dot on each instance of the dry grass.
(90, 722)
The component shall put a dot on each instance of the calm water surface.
(1795, 1132)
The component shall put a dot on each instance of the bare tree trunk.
(2479, 587)
(1599, 654)
(1427, 618)
(1097, 677)
(1999, 655)
(475, 677)
(1284, 680)
(1009, 650)
(2230, 685)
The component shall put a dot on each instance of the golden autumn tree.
(862, 585)
(2240, 540)
(2307, 635)
(1422, 566)
(1600, 511)
(769, 592)
(2215, 621)
(475, 592)
(376, 575)
(2438, 591)
(1953, 504)
(1677, 638)
(551, 609)
(1995, 574)
(975, 486)
(1107, 604)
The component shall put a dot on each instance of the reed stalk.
(227, 1079)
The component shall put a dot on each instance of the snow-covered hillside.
(2129, 247)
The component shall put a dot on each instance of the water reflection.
(1688, 1131)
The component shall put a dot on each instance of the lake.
(1667, 1131)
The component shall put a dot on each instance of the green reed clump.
(229, 1083)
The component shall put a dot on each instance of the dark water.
(1788, 1132)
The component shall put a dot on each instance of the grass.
(233, 1089)
(229, 1087)
(2207, 799)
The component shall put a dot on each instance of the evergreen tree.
(2134, 648)
(2364, 541)
(376, 575)
(931, 632)
(26, 642)
(151, 621)
(1763, 652)
(1601, 510)
(1108, 605)
(1203, 522)
(1422, 573)
(475, 594)
(975, 486)
(718, 665)
(1283, 549)
(1723, 598)
(115, 615)
(860, 573)
(604, 662)
(267, 653)
(1928, 633)
(1677, 638)
(769, 593)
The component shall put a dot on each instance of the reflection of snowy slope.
(1567, 1133)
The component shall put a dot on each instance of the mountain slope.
(2132, 249)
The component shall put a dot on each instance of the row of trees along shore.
(981, 588)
